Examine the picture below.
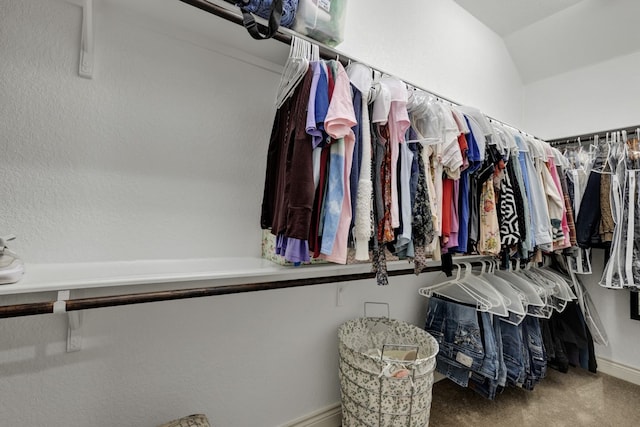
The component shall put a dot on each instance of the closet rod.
(29, 309)
(284, 35)
(588, 137)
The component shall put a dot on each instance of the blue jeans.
(513, 354)
(486, 380)
(457, 331)
(490, 362)
(535, 352)
(502, 367)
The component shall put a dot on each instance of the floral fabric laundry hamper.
(386, 373)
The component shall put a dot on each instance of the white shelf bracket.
(74, 322)
(86, 41)
(74, 331)
(60, 306)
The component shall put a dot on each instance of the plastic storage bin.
(322, 20)
(371, 394)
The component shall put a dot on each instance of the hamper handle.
(377, 303)
(413, 346)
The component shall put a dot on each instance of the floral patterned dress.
(489, 242)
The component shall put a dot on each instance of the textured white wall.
(438, 45)
(162, 155)
(588, 32)
(258, 359)
(600, 97)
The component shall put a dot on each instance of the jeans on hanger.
(512, 351)
(485, 381)
(536, 347)
(490, 364)
(452, 370)
(457, 331)
(534, 352)
(502, 367)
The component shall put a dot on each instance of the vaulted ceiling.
(550, 37)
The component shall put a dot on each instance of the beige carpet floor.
(578, 398)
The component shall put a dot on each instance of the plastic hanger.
(484, 288)
(555, 298)
(564, 289)
(455, 290)
(514, 299)
(469, 290)
(546, 291)
(419, 109)
(294, 70)
(536, 298)
(291, 73)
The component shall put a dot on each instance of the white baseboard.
(618, 370)
(331, 416)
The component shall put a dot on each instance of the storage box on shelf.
(322, 20)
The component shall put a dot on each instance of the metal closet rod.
(284, 35)
(29, 309)
(588, 137)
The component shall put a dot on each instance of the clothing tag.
(325, 4)
(464, 359)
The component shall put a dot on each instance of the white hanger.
(545, 289)
(555, 298)
(536, 297)
(294, 70)
(484, 288)
(564, 289)
(465, 290)
(455, 290)
(515, 299)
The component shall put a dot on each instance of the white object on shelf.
(322, 20)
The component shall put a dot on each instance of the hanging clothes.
(489, 240)
(508, 214)
(360, 76)
(288, 213)
(588, 222)
(363, 169)
(562, 240)
(623, 267)
(338, 123)
(515, 174)
(484, 353)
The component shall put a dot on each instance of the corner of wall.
(331, 416)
